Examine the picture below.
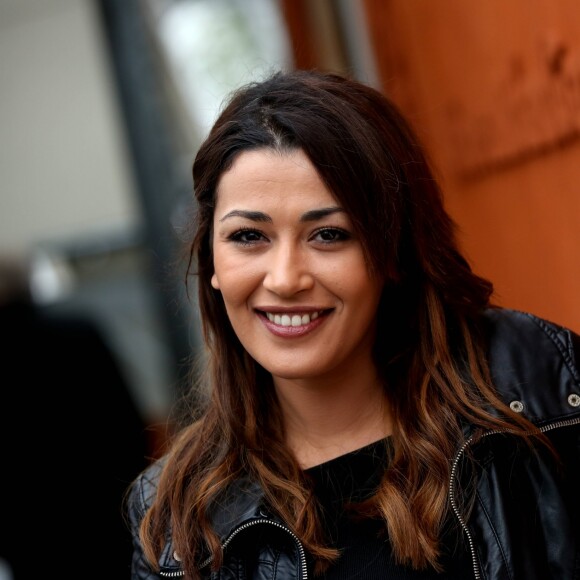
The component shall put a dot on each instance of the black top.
(365, 549)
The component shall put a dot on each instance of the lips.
(292, 319)
(294, 323)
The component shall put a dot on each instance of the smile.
(293, 324)
(294, 319)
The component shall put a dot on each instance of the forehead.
(266, 176)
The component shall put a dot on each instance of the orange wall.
(493, 89)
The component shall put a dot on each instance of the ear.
(214, 282)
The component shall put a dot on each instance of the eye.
(330, 235)
(246, 236)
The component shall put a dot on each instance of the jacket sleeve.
(140, 497)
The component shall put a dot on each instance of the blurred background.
(103, 104)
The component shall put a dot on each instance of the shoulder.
(143, 490)
(241, 501)
(535, 362)
(140, 498)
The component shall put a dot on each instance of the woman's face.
(291, 270)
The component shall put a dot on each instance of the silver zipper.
(176, 574)
(452, 500)
(455, 509)
(207, 561)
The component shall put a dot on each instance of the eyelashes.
(329, 235)
(246, 236)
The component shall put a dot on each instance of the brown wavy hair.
(429, 347)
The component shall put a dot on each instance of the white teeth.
(293, 320)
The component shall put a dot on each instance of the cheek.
(351, 280)
(227, 272)
(364, 292)
(235, 280)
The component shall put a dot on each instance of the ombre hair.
(429, 349)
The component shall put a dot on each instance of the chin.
(293, 373)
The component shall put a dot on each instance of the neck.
(326, 420)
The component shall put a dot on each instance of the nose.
(288, 271)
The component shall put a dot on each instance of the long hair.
(429, 349)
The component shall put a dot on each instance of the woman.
(370, 414)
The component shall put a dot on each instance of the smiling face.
(291, 271)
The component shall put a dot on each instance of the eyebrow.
(317, 214)
(258, 216)
(255, 216)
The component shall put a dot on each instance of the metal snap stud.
(517, 406)
(574, 400)
(176, 556)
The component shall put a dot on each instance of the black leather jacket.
(525, 522)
